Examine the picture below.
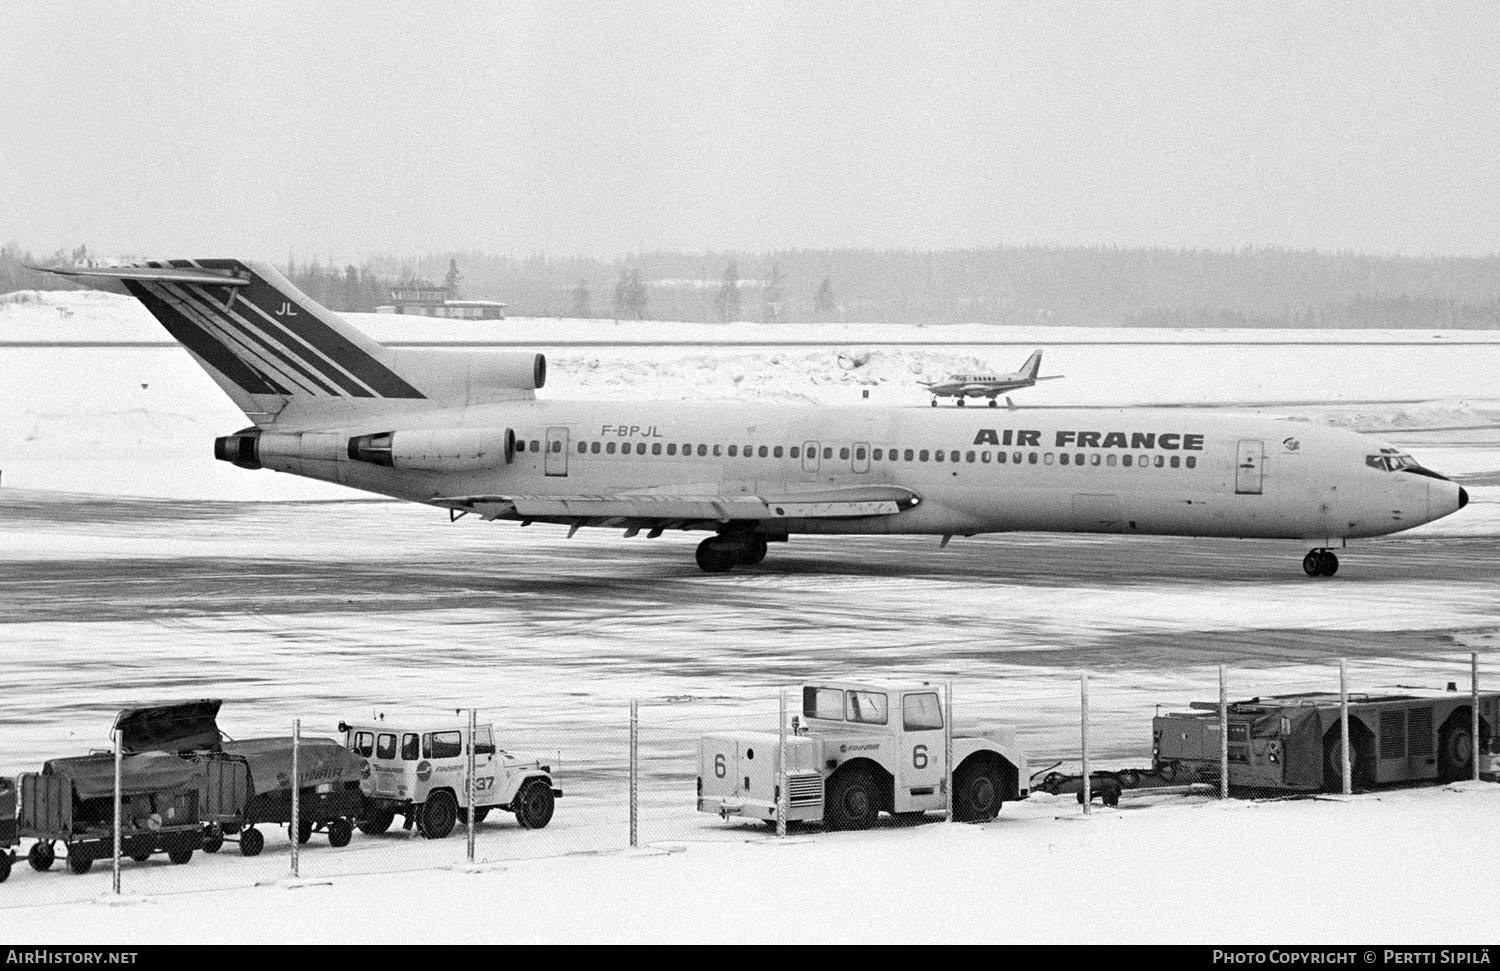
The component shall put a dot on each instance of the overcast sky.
(260, 129)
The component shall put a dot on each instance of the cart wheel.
(180, 854)
(252, 841)
(6, 861)
(1167, 771)
(80, 864)
(213, 839)
(141, 856)
(1129, 778)
(339, 831)
(1110, 795)
(304, 830)
(41, 856)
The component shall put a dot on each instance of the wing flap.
(658, 507)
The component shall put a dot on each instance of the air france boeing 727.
(463, 430)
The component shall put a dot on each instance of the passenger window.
(827, 452)
(1110, 461)
(1124, 460)
(859, 453)
(1192, 461)
(777, 452)
(823, 703)
(446, 745)
(1094, 459)
(610, 448)
(1063, 458)
(937, 456)
(762, 451)
(866, 706)
(593, 448)
(795, 451)
(1078, 459)
(1160, 461)
(1047, 459)
(364, 743)
(656, 448)
(409, 746)
(719, 452)
(922, 455)
(907, 456)
(953, 456)
(671, 448)
(970, 457)
(844, 453)
(921, 712)
(985, 456)
(687, 450)
(1015, 458)
(878, 453)
(583, 447)
(702, 450)
(734, 451)
(385, 747)
(556, 447)
(1030, 458)
(1175, 463)
(999, 458)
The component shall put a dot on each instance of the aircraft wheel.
(753, 552)
(994, 403)
(1330, 563)
(1312, 564)
(716, 557)
(934, 402)
(960, 402)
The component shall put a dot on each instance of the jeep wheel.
(438, 814)
(377, 822)
(852, 803)
(977, 793)
(534, 804)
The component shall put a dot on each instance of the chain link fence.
(388, 795)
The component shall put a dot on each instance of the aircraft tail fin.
(267, 344)
(1032, 366)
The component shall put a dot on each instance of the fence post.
(1344, 746)
(469, 783)
(1083, 707)
(1223, 735)
(119, 810)
(782, 796)
(1474, 710)
(948, 749)
(634, 757)
(296, 827)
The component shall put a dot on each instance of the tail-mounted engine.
(437, 450)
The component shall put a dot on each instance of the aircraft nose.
(1463, 497)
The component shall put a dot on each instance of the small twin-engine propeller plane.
(989, 386)
(463, 430)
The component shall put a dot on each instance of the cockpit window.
(1391, 460)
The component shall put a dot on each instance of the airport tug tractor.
(857, 750)
(418, 773)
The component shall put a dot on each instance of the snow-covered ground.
(100, 609)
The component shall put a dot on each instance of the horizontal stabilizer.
(151, 274)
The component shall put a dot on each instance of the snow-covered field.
(103, 603)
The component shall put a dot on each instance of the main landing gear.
(1320, 563)
(720, 554)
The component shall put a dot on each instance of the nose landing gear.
(1320, 563)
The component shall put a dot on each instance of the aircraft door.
(557, 451)
(861, 456)
(1249, 467)
(809, 456)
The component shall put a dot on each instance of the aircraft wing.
(658, 507)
